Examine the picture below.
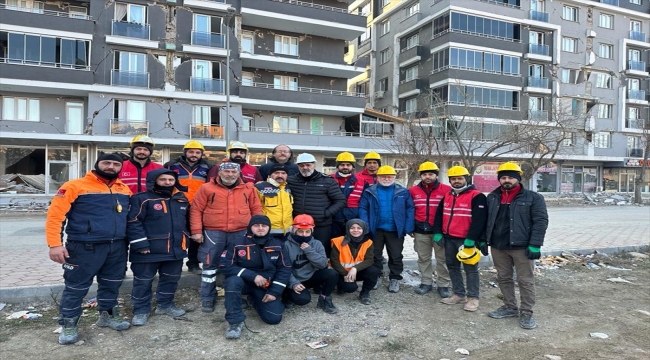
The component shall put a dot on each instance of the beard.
(227, 181)
(306, 173)
(238, 159)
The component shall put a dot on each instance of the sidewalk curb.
(48, 292)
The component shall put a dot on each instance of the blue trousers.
(107, 261)
(169, 272)
(214, 242)
(270, 312)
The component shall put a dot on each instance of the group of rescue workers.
(278, 231)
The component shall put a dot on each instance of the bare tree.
(641, 180)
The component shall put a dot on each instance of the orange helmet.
(303, 221)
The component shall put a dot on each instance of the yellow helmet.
(237, 145)
(510, 166)
(428, 166)
(346, 157)
(457, 171)
(469, 256)
(386, 170)
(142, 139)
(193, 144)
(372, 156)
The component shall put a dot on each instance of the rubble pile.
(22, 184)
(593, 261)
(598, 198)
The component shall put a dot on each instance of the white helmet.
(305, 158)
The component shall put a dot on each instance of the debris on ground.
(638, 255)
(553, 357)
(462, 351)
(644, 312)
(90, 303)
(25, 314)
(2, 306)
(619, 280)
(317, 344)
(598, 335)
(58, 330)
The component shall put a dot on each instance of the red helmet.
(303, 221)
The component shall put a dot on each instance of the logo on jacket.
(274, 257)
(223, 254)
(127, 173)
(157, 207)
(60, 193)
(241, 253)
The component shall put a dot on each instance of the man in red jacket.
(237, 152)
(371, 163)
(135, 169)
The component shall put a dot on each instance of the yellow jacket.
(277, 204)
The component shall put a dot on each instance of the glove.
(468, 243)
(484, 248)
(437, 238)
(533, 252)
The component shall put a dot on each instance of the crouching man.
(256, 265)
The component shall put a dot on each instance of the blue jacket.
(403, 209)
(158, 223)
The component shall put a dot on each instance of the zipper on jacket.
(451, 214)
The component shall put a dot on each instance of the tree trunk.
(639, 182)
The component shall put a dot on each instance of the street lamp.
(226, 128)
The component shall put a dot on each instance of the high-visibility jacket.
(135, 176)
(277, 205)
(352, 189)
(426, 204)
(345, 255)
(457, 213)
(190, 176)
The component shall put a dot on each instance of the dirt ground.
(572, 302)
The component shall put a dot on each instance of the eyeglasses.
(283, 151)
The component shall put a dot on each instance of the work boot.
(423, 289)
(378, 284)
(70, 331)
(393, 286)
(364, 297)
(194, 269)
(172, 311)
(527, 321)
(113, 321)
(471, 305)
(207, 306)
(454, 299)
(326, 304)
(140, 319)
(503, 312)
(444, 292)
(234, 330)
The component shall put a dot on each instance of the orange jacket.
(216, 207)
(91, 209)
(345, 258)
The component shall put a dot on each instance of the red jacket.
(366, 177)
(249, 173)
(352, 188)
(134, 176)
(426, 200)
(457, 213)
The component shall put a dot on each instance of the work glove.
(437, 238)
(533, 252)
(469, 243)
(484, 248)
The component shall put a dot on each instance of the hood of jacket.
(153, 174)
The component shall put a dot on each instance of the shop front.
(578, 179)
(621, 177)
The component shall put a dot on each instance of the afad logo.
(157, 207)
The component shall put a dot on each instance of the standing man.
(93, 211)
(516, 226)
(388, 210)
(219, 214)
(237, 152)
(192, 172)
(371, 163)
(257, 265)
(352, 189)
(317, 195)
(135, 168)
(277, 201)
(281, 154)
(426, 197)
(460, 221)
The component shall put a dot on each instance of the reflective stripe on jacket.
(345, 255)
(277, 205)
(457, 213)
(426, 204)
(135, 176)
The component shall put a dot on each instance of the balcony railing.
(539, 49)
(636, 65)
(199, 131)
(637, 35)
(315, 6)
(201, 38)
(538, 115)
(635, 152)
(44, 64)
(305, 89)
(47, 12)
(610, 2)
(128, 127)
(508, 3)
(206, 85)
(538, 82)
(300, 131)
(129, 78)
(538, 16)
(635, 124)
(636, 94)
(129, 29)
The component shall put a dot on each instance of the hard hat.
(237, 145)
(469, 256)
(346, 157)
(193, 144)
(510, 166)
(303, 221)
(142, 139)
(386, 170)
(457, 171)
(428, 166)
(372, 156)
(305, 158)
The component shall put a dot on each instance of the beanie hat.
(278, 167)
(437, 172)
(258, 219)
(229, 165)
(111, 157)
(511, 173)
(145, 145)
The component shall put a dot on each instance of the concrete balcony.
(537, 85)
(537, 115)
(410, 87)
(637, 68)
(637, 36)
(410, 55)
(609, 2)
(131, 34)
(363, 47)
(213, 86)
(206, 44)
(637, 97)
(130, 78)
(303, 18)
(46, 19)
(296, 65)
(218, 5)
(199, 131)
(538, 16)
(128, 127)
(539, 52)
(636, 124)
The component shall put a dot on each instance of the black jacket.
(317, 195)
(528, 217)
(265, 170)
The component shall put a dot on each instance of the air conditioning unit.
(591, 33)
(636, 153)
(379, 94)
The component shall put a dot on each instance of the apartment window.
(384, 56)
(412, 41)
(606, 21)
(535, 103)
(411, 105)
(634, 142)
(569, 44)
(130, 110)
(130, 62)
(411, 73)
(248, 42)
(569, 76)
(203, 69)
(285, 82)
(568, 139)
(78, 12)
(365, 36)
(633, 113)
(46, 51)
(383, 3)
(605, 111)
(480, 26)
(633, 84)
(604, 81)
(247, 78)
(602, 140)
(484, 97)
(413, 9)
(382, 110)
(510, 65)
(576, 107)
(21, 109)
(384, 28)
(636, 2)
(25, 5)
(606, 51)
(285, 124)
(131, 13)
(286, 45)
(536, 71)
(569, 13)
(74, 116)
(363, 88)
(536, 37)
(247, 122)
(383, 84)
(633, 55)
(635, 25)
(316, 125)
(202, 115)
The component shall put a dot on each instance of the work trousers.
(424, 247)
(324, 278)
(270, 312)
(369, 277)
(169, 272)
(394, 247)
(214, 242)
(323, 234)
(453, 265)
(506, 262)
(193, 254)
